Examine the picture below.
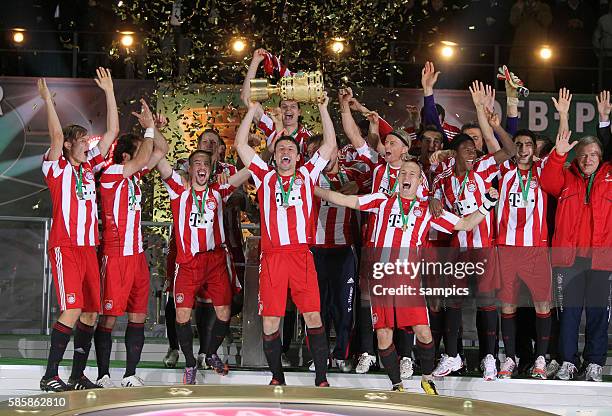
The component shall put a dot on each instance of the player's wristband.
(487, 204)
(512, 101)
(149, 133)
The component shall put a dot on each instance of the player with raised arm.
(197, 211)
(402, 223)
(290, 111)
(69, 167)
(124, 268)
(286, 197)
(462, 188)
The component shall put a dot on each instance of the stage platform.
(576, 398)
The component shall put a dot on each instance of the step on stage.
(237, 400)
(352, 394)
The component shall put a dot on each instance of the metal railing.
(26, 282)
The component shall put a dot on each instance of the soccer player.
(197, 212)
(384, 179)
(286, 200)
(290, 110)
(69, 167)
(403, 221)
(209, 141)
(124, 268)
(522, 234)
(461, 188)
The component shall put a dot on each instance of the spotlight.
(447, 51)
(18, 36)
(127, 38)
(239, 45)
(545, 52)
(337, 45)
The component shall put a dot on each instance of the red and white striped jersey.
(448, 188)
(196, 233)
(292, 224)
(301, 134)
(450, 130)
(75, 214)
(521, 223)
(121, 212)
(389, 225)
(334, 228)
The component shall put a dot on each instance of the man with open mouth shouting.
(402, 226)
(197, 211)
(286, 197)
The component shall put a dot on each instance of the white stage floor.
(576, 398)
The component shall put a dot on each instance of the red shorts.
(480, 264)
(202, 294)
(125, 284)
(208, 269)
(529, 264)
(76, 277)
(398, 317)
(282, 268)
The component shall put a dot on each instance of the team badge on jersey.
(418, 212)
(298, 182)
(108, 304)
(374, 318)
(71, 298)
(211, 204)
(180, 298)
(471, 186)
(89, 175)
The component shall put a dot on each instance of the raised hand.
(103, 79)
(493, 193)
(563, 145)
(145, 117)
(323, 100)
(160, 121)
(603, 105)
(277, 117)
(345, 96)
(563, 104)
(43, 90)
(259, 55)
(373, 118)
(478, 92)
(492, 118)
(489, 97)
(429, 77)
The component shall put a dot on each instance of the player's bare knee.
(384, 336)
(69, 317)
(423, 333)
(223, 312)
(271, 324)
(137, 318)
(88, 318)
(313, 319)
(542, 307)
(508, 309)
(183, 315)
(107, 321)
